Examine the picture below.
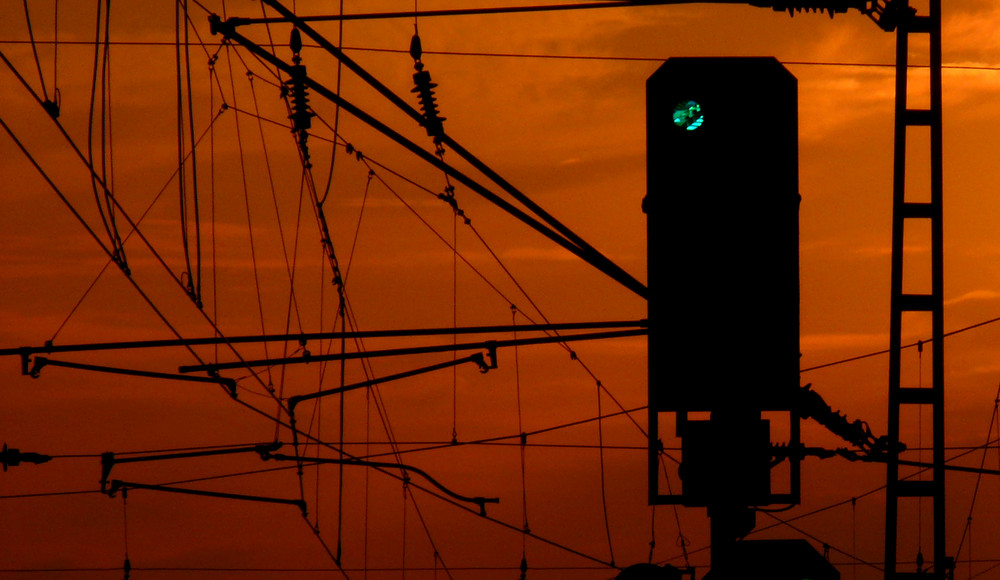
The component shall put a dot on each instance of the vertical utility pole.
(910, 209)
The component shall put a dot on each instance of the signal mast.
(724, 163)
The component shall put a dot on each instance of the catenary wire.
(518, 55)
(982, 464)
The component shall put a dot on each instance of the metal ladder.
(909, 211)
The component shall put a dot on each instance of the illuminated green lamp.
(687, 115)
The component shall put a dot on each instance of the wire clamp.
(38, 363)
(52, 106)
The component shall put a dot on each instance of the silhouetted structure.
(722, 203)
(722, 206)
(779, 560)
(649, 572)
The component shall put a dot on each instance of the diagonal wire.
(979, 477)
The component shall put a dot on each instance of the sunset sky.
(555, 103)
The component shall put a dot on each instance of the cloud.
(842, 97)
(533, 254)
(862, 342)
(974, 295)
(880, 251)
(874, 251)
(973, 30)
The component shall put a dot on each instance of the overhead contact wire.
(94, 175)
(513, 279)
(290, 260)
(558, 232)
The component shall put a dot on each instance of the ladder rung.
(918, 210)
(916, 396)
(915, 488)
(921, 117)
(916, 302)
(919, 24)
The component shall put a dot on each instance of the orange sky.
(568, 132)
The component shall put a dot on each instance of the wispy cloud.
(874, 251)
(974, 295)
(862, 342)
(973, 29)
(539, 254)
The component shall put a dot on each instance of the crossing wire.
(825, 544)
(307, 181)
(598, 382)
(450, 190)
(102, 182)
(454, 503)
(604, 491)
(139, 220)
(336, 110)
(134, 226)
(344, 314)
(535, 216)
(182, 181)
(903, 347)
(290, 257)
(966, 530)
(524, 441)
(599, 394)
(156, 310)
(96, 178)
(311, 570)
(779, 522)
(246, 203)
(237, 120)
(468, 222)
(527, 296)
(34, 50)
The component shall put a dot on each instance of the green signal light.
(688, 116)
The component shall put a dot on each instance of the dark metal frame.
(905, 211)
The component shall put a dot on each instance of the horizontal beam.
(40, 362)
(475, 358)
(109, 459)
(118, 485)
(480, 501)
(50, 348)
(489, 344)
(551, 228)
(819, 5)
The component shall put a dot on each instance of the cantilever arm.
(108, 459)
(118, 485)
(476, 358)
(488, 344)
(480, 501)
(551, 229)
(39, 362)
